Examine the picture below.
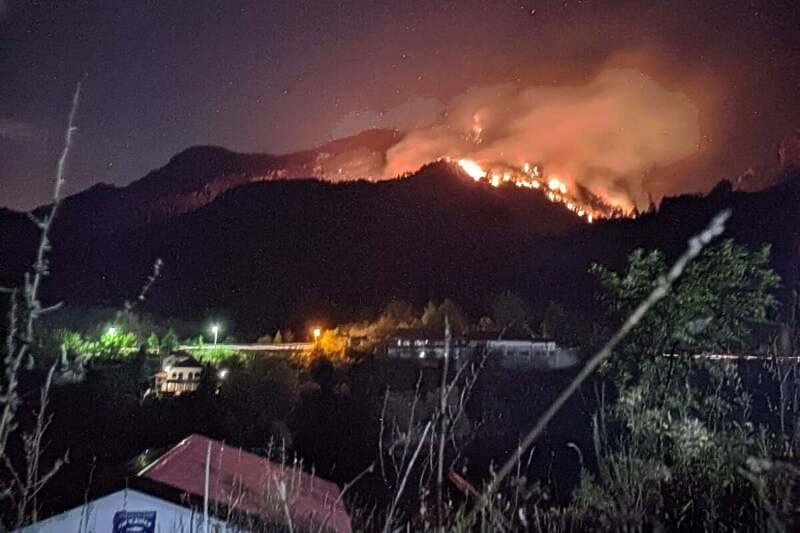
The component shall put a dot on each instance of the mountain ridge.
(284, 251)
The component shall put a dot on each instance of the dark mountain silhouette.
(307, 248)
(272, 252)
(197, 175)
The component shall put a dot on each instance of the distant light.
(422, 354)
(112, 330)
(215, 331)
(317, 333)
(222, 374)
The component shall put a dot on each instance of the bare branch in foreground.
(26, 485)
(390, 517)
(663, 284)
(22, 318)
(151, 279)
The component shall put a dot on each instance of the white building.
(170, 495)
(410, 344)
(541, 354)
(180, 374)
(128, 510)
(514, 354)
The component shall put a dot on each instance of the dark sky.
(281, 75)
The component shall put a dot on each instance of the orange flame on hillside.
(472, 168)
(554, 189)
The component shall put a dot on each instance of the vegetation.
(676, 447)
(711, 308)
(216, 355)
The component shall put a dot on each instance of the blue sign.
(135, 522)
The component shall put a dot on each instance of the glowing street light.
(317, 332)
(215, 331)
(223, 373)
(111, 330)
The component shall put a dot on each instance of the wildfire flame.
(472, 168)
(530, 177)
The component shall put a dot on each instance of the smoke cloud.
(418, 112)
(15, 130)
(604, 135)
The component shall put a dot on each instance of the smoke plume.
(604, 135)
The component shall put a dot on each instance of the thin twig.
(443, 399)
(369, 470)
(20, 335)
(151, 279)
(281, 488)
(388, 526)
(381, 436)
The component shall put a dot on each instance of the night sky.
(276, 76)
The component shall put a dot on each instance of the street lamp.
(215, 331)
(317, 333)
(111, 330)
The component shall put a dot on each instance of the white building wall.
(98, 516)
(542, 355)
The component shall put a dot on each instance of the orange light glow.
(472, 168)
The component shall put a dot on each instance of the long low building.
(544, 354)
(252, 347)
(514, 353)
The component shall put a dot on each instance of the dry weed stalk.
(24, 310)
(21, 318)
(430, 443)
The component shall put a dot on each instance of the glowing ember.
(477, 130)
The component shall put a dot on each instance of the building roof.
(424, 334)
(182, 360)
(511, 335)
(247, 482)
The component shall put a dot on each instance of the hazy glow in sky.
(282, 75)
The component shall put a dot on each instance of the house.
(245, 492)
(180, 374)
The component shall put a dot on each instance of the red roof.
(247, 482)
